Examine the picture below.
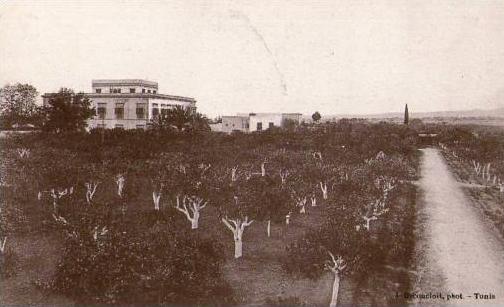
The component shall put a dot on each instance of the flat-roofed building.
(257, 121)
(235, 123)
(129, 103)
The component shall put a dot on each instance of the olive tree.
(270, 200)
(336, 247)
(235, 210)
(192, 190)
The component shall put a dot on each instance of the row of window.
(260, 126)
(101, 111)
(244, 125)
(131, 90)
(141, 111)
(120, 126)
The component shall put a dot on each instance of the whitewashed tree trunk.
(302, 204)
(120, 180)
(2, 245)
(335, 265)
(234, 175)
(195, 220)
(378, 208)
(56, 195)
(59, 219)
(323, 188)
(268, 228)
(23, 152)
(477, 167)
(368, 221)
(237, 228)
(99, 233)
(485, 172)
(335, 290)
(195, 207)
(263, 169)
(313, 201)
(287, 218)
(283, 176)
(90, 190)
(238, 248)
(156, 197)
(55, 204)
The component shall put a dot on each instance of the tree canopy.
(67, 111)
(17, 104)
(182, 119)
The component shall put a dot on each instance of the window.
(101, 111)
(148, 91)
(259, 126)
(119, 110)
(155, 110)
(132, 90)
(270, 125)
(116, 90)
(98, 90)
(140, 110)
(143, 90)
(154, 91)
(164, 112)
(119, 126)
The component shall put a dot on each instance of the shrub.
(119, 266)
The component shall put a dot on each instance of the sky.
(331, 56)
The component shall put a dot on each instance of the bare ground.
(36, 256)
(458, 251)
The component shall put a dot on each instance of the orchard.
(170, 217)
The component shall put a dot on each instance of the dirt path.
(458, 252)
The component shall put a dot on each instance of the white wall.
(165, 104)
(265, 119)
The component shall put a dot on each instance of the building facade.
(235, 123)
(257, 121)
(129, 103)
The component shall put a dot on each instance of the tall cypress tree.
(406, 115)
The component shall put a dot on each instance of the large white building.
(129, 103)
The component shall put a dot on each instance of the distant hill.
(499, 112)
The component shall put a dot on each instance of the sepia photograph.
(252, 153)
